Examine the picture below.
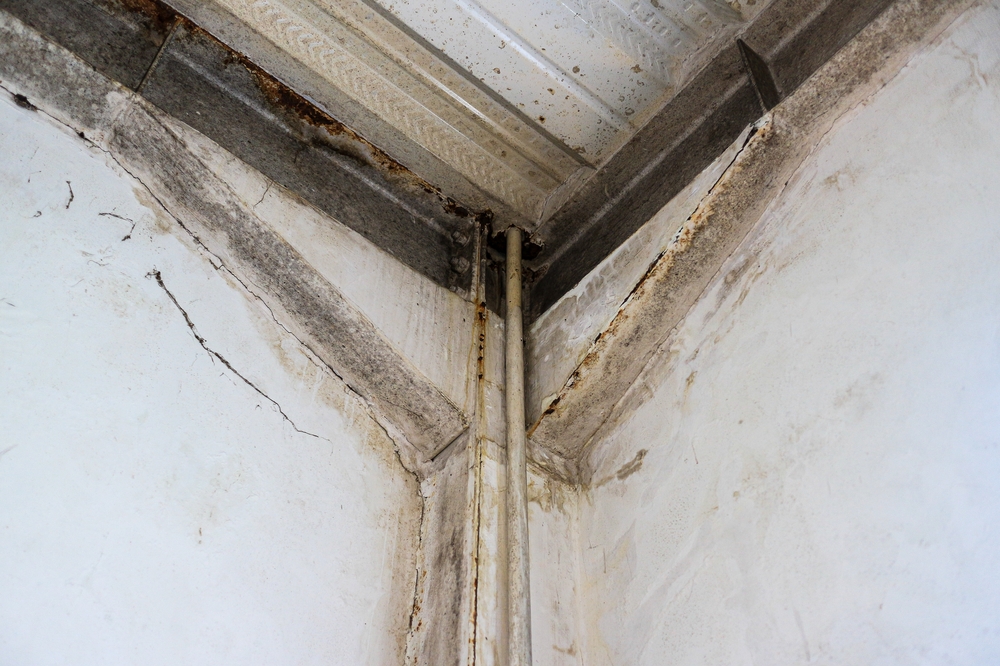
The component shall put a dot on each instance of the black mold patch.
(119, 38)
(23, 102)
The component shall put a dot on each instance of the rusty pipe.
(519, 591)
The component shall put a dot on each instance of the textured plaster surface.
(813, 440)
(556, 555)
(180, 480)
(807, 472)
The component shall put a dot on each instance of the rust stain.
(660, 266)
(690, 381)
(481, 357)
(632, 466)
(455, 208)
(627, 470)
(287, 101)
(479, 556)
(553, 494)
(162, 16)
(570, 651)
(282, 96)
(551, 409)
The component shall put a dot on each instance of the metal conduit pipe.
(519, 592)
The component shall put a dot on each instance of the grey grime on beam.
(605, 382)
(120, 39)
(225, 26)
(148, 144)
(784, 45)
(199, 80)
(760, 76)
(674, 147)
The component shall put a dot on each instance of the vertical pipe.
(519, 596)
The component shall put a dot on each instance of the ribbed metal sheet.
(589, 71)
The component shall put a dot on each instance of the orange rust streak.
(160, 13)
(286, 99)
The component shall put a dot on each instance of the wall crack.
(155, 274)
(219, 265)
(125, 219)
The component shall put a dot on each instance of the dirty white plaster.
(154, 507)
(809, 471)
(461, 603)
(488, 490)
(560, 338)
(553, 538)
(428, 324)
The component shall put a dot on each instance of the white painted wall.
(810, 471)
(154, 508)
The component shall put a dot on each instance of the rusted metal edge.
(562, 436)
(223, 24)
(286, 100)
(345, 175)
(149, 145)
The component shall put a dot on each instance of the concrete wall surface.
(809, 470)
(557, 602)
(180, 481)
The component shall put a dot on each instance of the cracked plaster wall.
(807, 471)
(427, 324)
(180, 481)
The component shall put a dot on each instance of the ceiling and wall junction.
(574, 120)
